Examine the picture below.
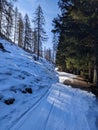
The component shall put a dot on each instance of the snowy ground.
(50, 106)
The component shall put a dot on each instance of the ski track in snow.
(51, 106)
(53, 113)
(34, 106)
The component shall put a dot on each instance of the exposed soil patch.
(82, 84)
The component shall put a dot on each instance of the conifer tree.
(78, 29)
(39, 22)
(16, 19)
(55, 43)
(35, 41)
(20, 31)
(27, 33)
(9, 23)
(6, 11)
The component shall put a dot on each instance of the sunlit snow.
(51, 105)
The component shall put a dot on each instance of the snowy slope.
(50, 106)
(19, 70)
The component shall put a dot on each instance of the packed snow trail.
(51, 105)
(61, 108)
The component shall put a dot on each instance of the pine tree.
(35, 41)
(89, 11)
(39, 22)
(27, 33)
(77, 27)
(55, 43)
(1, 11)
(6, 12)
(16, 19)
(20, 31)
(48, 54)
(9, 22)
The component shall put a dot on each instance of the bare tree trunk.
(0, 15)
(0, 22)
(95, 76)
(89, 72)
(96, 62)
(38, 37)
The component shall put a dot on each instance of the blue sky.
(50, 10)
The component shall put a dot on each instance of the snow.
(51, 105)
(66, 76)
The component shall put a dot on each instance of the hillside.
(20, 73)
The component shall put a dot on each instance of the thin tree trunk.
(96, 62)
(0, 15)
(95, 76)
(38, 37)
(89, 76)
(15, 32)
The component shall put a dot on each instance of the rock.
(67, 82)
(35, 58)
(29, 90)
(2, 48)
(9, 101)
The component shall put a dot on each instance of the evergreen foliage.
(20, 31)
(39, 22)
(27, 33)
(77, 26)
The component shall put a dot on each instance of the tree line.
(18, 29)
(77, 30)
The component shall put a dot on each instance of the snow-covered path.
(51, 105)
(61, 108)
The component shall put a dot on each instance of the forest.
(18, 29)
(75, 35)
(77, 30)
(44, 88)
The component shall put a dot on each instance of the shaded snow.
(51, 106)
